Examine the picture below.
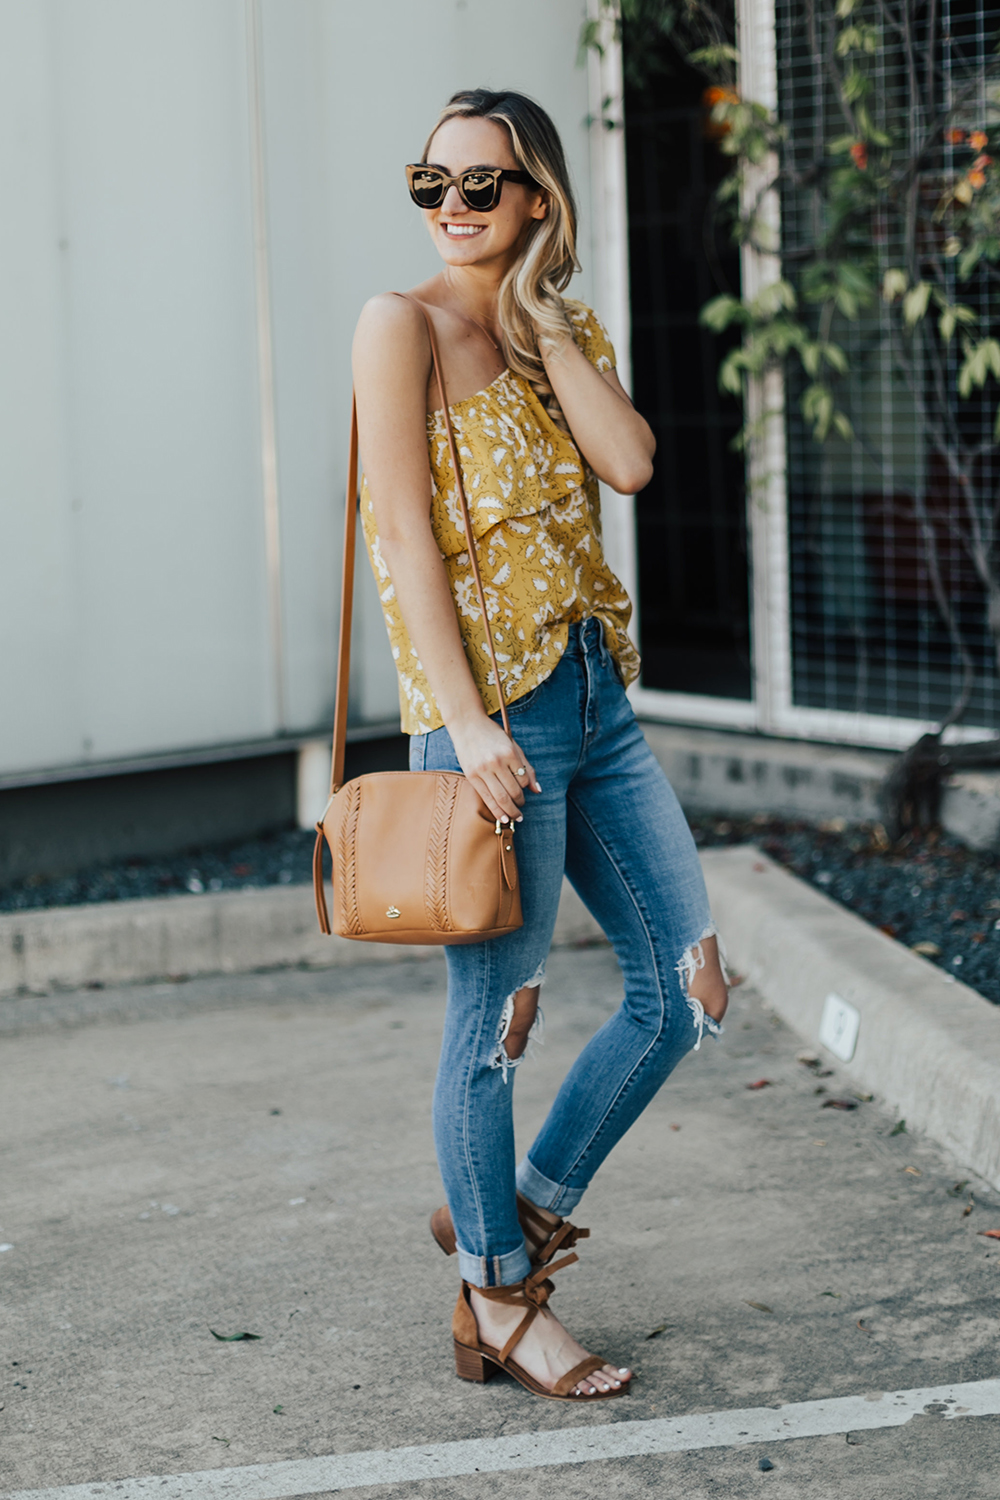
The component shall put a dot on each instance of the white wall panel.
(40, 713)
(133, 603)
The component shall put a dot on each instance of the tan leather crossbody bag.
(417, 855)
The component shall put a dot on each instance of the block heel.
(470, 1364)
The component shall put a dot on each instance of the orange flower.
(978, 139)
(977, 180)
(715, 129)
(981, 163)
(954, 137)
(859, 155)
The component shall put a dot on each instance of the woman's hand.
(491, 762)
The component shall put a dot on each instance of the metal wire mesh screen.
(867, 633)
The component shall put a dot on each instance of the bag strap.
(347, 574)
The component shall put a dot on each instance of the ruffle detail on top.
(515, 461)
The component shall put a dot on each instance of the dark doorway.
(691, 520)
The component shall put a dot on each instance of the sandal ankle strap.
(562, 1235)
(534, 1290)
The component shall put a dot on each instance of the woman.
(538, 412)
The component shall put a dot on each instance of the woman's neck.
(474, 292)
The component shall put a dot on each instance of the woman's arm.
(391, 367)
(616, 441)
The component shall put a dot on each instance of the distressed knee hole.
(694, 973)
(521, 1023)
(524, 1010)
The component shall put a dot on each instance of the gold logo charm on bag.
(393, 911)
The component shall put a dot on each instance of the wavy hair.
(529, 302)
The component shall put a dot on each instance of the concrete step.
(179, 937)
(737, 775)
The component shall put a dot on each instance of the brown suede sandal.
(550, 1238)
(477, 1361)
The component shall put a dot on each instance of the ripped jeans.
(608, 817)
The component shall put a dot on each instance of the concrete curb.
(928, 1046)
(229, 932)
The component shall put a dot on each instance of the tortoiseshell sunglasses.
(479, 187)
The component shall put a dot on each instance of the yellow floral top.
(535, 510)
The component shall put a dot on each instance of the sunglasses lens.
(426, 189)
(479, 189)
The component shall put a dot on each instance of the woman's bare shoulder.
(391, 332)
(389, 312)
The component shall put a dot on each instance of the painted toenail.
(623, 1372)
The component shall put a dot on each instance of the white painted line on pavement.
(539, 1450)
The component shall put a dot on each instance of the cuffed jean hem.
(543, 1192)
(494, 1270)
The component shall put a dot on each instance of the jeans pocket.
(521, 705)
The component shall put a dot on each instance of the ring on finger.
(520, 771)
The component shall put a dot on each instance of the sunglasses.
(479, 187)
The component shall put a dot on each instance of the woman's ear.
(541, 208)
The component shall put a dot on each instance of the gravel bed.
(935, 896)
(939, 898)
(278, 859)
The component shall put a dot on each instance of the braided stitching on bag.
(436, 879)
(348, 859)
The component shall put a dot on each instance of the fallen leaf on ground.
(927, 950)
(655, 1333)
(279, 1411)
(899, 1129)
(819, 1143)
(762, 1083)
(865, 1098)
(232, 1338)
(860, 1325)
(913, 1171)
(990, 1234)
(227, 1441)
(809, 1059)
(959, 1188)
(839, 1104)
(966, 1211)
(675, 1127)
(760, 1306)
(824, 1072)
(838, 1295)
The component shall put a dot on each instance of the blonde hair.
(529, 302)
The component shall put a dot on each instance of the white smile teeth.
(462, 229)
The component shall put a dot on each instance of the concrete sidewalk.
(254, 1153)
